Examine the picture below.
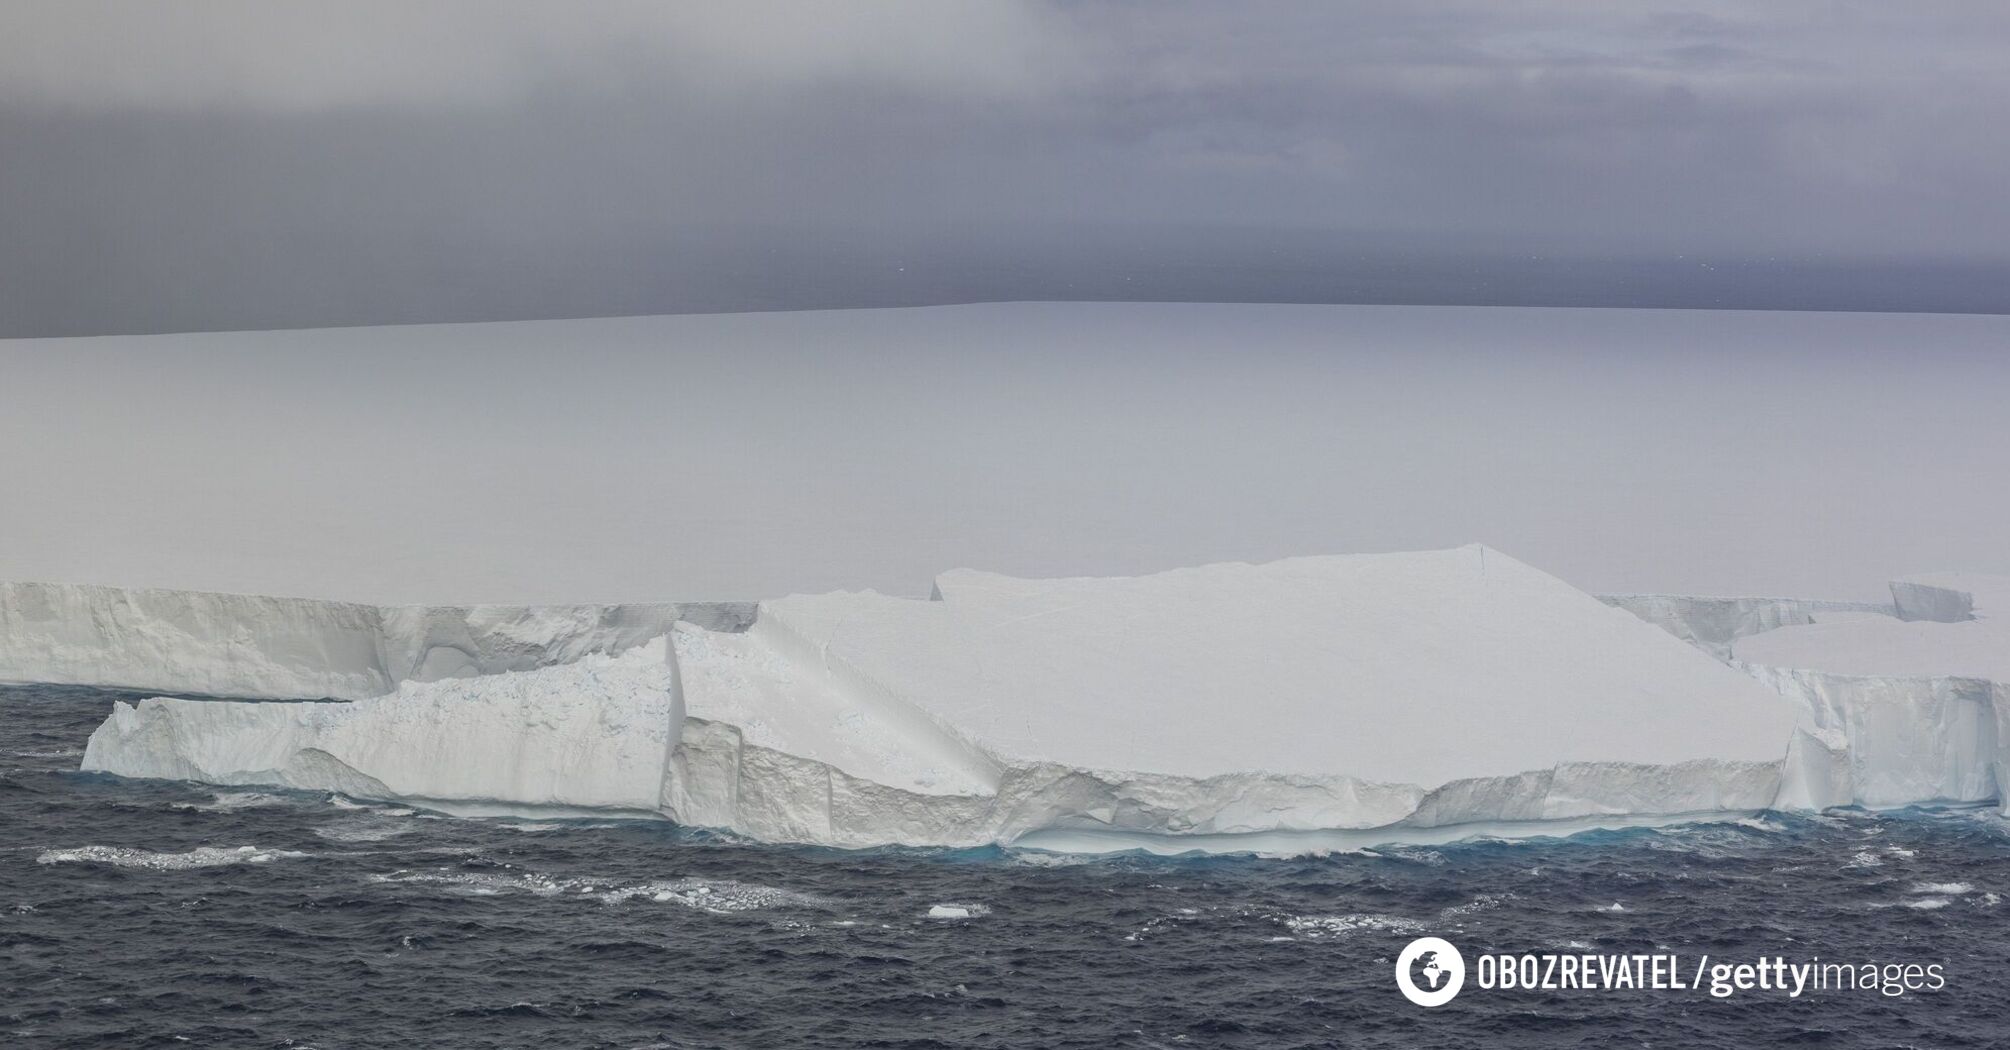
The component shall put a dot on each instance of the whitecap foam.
(1484, 902)
(148, 860)
(1317, 926)
(340, 802)
(361, 831)
(1942, 889)
(720, 896)
(232, 801)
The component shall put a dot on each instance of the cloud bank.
(233, 162)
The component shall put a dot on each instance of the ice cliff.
(1898, 709)
(1297, 703)
(593, 734)
(239, 645)
(1304, 703)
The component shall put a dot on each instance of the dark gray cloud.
(250, 163)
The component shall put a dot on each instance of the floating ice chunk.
(958, 911)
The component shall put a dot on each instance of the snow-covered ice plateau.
(1309, 703)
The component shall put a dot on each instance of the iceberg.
(1309, 703)
(254, 646)
(1715, 624)
(1898, 709)
(1296, 704)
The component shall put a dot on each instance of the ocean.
(156, 914)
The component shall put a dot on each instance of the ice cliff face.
(1898, 710)
(594, 734)
(1307, 703)
(254, 646)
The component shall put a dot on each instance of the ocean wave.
(1320, 926)
(712, 895)
(361, 831)
(148, 860)
(232, 801)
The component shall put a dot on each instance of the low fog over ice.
(749, 456)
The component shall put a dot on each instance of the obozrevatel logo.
(1430, 971)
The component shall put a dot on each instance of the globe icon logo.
(1427, 965)
(1429, 972)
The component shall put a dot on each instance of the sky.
(276, 163)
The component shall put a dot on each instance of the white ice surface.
(789, 702)
(1977, 647)
(594, 734)
(1412, 667)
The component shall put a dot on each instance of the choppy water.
(137, 914)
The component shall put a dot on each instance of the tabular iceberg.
(1899, 709)
(1299, 703)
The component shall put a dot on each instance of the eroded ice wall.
(196, 642)
(595, 733)
(1899, 710)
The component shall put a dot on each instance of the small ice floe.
(1614, 906)
(958, 911)
(148, 860)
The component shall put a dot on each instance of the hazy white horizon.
(752, 455)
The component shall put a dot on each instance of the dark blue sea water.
(143, 914)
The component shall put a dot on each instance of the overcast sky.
(268, 163)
